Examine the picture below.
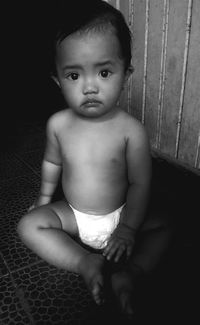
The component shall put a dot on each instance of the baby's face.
(90, 72)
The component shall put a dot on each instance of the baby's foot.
(91, 268)
(123, 288)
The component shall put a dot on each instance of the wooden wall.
(164, 90)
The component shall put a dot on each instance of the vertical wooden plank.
(112, 2)
(197, 158)
(145, 60)
(164, 89)
(156, 11)
(138, 34)
(174, 66)
(162, 72)
(190, 126)
(118, 4)
(125, 7)
(130, 80)
(184, 74)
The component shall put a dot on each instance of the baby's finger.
(107, 248)
(112, 251)
(129, 251)
(119, 253)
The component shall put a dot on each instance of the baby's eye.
(105, 73)
(72, 76)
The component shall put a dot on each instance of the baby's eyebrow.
(106, 62)
(71, 66)
(79, 66)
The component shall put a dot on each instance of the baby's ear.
(56, 80)
(129, 71)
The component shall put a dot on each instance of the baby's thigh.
(56, 215)
(66, 217)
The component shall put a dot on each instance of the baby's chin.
(95, 113)
(92, 113)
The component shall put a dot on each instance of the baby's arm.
(139, 176)
(50, 175)
(51, 166)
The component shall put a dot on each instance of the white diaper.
(95, 230)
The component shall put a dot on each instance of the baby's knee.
(26, 225)
(31, 223)
(36, 220)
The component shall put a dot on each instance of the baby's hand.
(121, 241)
(31, 207)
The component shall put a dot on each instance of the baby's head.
(82, 17)
(92, 54)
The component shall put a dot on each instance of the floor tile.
(3, 268)
(15, 253)
(21, 193)
(53, 296)
(17, 194)
(11, 310)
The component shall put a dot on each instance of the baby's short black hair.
(80, 16)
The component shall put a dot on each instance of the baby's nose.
(90, 87)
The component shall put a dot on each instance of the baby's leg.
(150, 247)
(49, 231)
(123, 286)
(43, 232)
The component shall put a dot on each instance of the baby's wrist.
(44, 195)
(43, 199)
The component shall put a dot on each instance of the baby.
(102, 152)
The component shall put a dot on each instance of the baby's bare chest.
(94, 148)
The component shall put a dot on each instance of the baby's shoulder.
(134, 131)
(58, 120)
(131, 124)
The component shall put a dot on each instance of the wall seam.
(145, 60)
(198, 153)
(162, 72)
(130, 80)
(184, 75)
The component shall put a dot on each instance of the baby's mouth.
(91, 103)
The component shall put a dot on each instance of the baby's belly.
(95, 196)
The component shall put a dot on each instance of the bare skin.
(100, 169)
(103, 154)
(123, 288)
(51, 239)
(154, 241)
(91, 268)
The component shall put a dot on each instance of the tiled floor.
(33, 292)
